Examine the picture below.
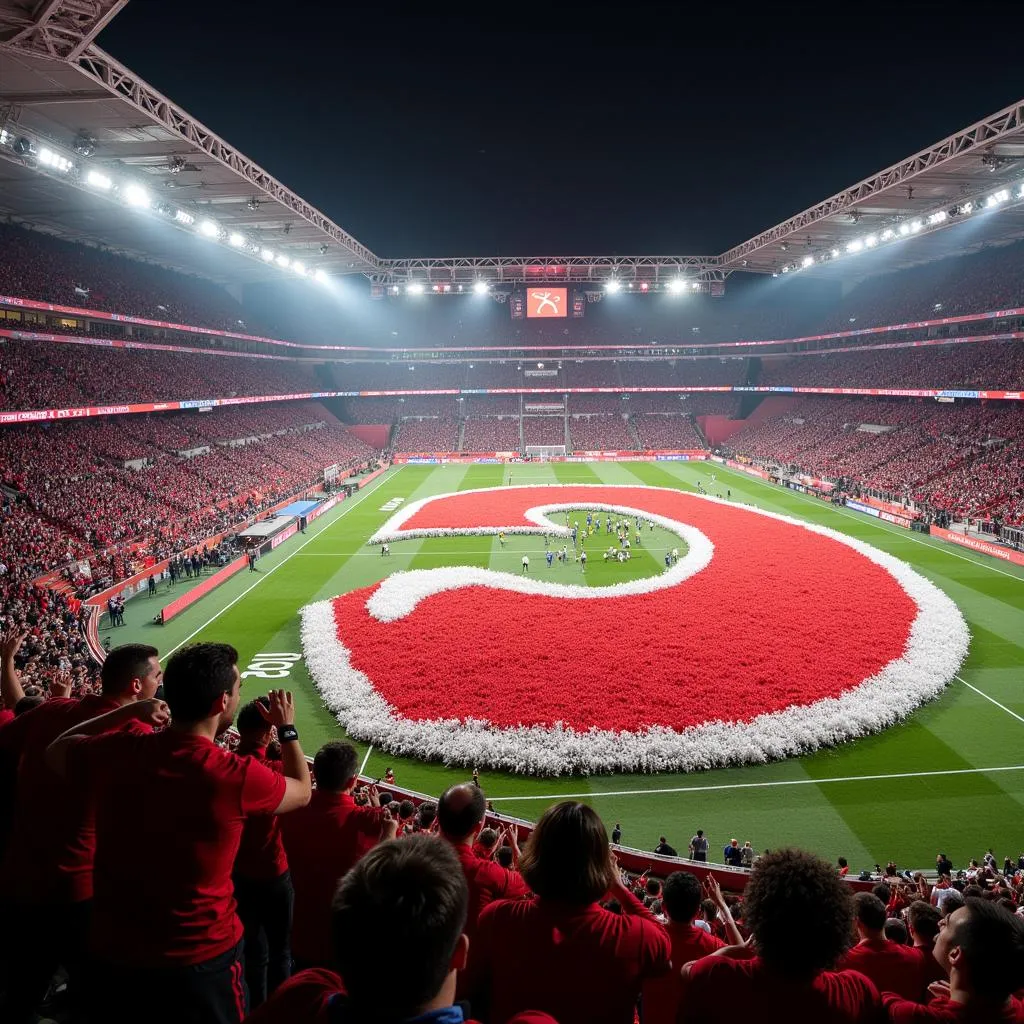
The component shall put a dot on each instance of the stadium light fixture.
(267, 254)
(481, 287)
(99, 180)
(835, 254)
(299, 268)
(807, 261)
(915, 226)
(236, 240)
(612, 286)
(321, 277)
(695, 286)
(184, 218)
(48, 158)
(676, 285)
(871, 241)
(998, 197)
(904, 229)
(414, 288)
(855, 246)
(283, 261)
(888, 234)
(938, 217)
(208, 228)
(136, 195)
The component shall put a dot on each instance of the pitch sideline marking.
(362, 767)
(992, 700)
(762, 785)
(344, 511)
(906, 534)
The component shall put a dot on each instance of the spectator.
(981, 948)
(747, 855)
(892, 967)
(842, 867)
(263, 885)
(896, 931)
(186, 945)
(699, 846)
(617, 834)
(923, 925)
(49, 860)
(323, 841)
(460, 816)
(664, 849)
(681, 902)
(801, 917)
(560, 951)
(943, 865)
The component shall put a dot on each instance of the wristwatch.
(287, 733)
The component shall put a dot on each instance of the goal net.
(543, 452)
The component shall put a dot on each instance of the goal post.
(543, 452)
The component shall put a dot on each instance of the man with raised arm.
(170, 809)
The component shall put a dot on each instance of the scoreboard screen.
(542, 301)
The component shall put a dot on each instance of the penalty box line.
(596, 794)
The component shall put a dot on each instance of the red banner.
(995, 550)
(179, 604)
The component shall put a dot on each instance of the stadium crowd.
(273, 891)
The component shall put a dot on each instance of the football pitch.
(949, 778)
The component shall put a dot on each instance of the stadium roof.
(61, 90)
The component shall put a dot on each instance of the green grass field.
(951, 778)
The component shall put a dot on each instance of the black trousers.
(36, 941)
(212, 992)
(265, 909)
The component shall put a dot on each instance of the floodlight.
(283, 261)
(904, 229)
(835, 254)
(299, 268)
(320, 277)
(48, 158)
(480, 287)
(644, 286)
(695, 286)
(612, 286)
(414, 288)
(208, 228)
(807, 261)
(98, 180)
(887, 234)
(855, 246)
(676, 285)
(937, 218)
(871, 241)
(237, 240)
(915, 226)
(184, 218)
(136, 195)
(267, 254)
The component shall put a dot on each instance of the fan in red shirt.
(52, 842)
(263, 884)
(892, 967)
(169, 814)
(981, 947)
(923, 924)
(323, 841)
(561, 951)
(681, 901)
(801, 917)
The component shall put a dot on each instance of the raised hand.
(152, 711)
(281, 710)
(60, 684)
(11, 642)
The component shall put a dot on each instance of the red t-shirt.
(323, 840)
(720, 989)
(6, 716)
(903, 1011)
(53, 835)
(575, 963)
(261, 855)
(931, 969)
(169, 814)
(487, 882)
(305, 998)
(892, 967)
(662, 995)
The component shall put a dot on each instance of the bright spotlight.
(283, 261)
(98, 180)
(136, 195)
(320, 277)
(299, 268)
(904, 229)
(937, 218)
(208, 228)
(184, 218)
(807, 261)
(48, 158)
(267, 254)
(676, 285)
(612, 286)
(887, 234)
(855, 246)
(414, 288)
(835, 254)
(871, 241)
(236, 240)
(695, 285)
(915, 226)
(480, 287)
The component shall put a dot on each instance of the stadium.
(728, 546)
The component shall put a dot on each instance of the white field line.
(362, 767)
(345, 509)
(991, 700)
(895, 530)
(596, 794)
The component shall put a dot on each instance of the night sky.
(441, 130)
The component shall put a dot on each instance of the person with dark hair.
(981, 949)
(178, 802)
(617, 834)
(323, 841)
(923, 924)
(52, 845)
(410, 899)
(896, 931)
(426, 815)
(801, 917)
(460, 817)
(263, 885)
(561, 952)
(699, 846)
(664, 848)
(681, 897)
(892, 967)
